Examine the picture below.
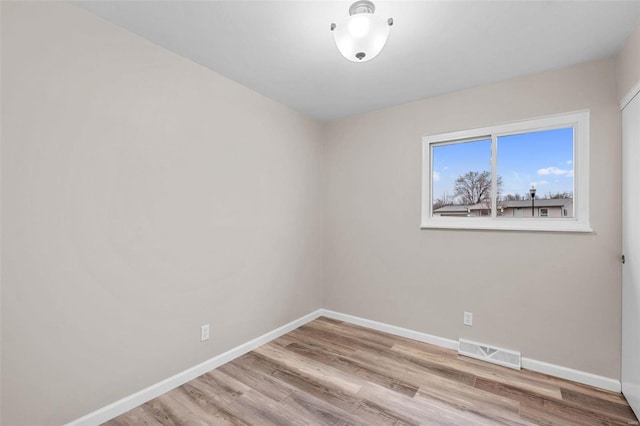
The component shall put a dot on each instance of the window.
(528, 175)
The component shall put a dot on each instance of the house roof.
(559, 202)
(451, 209)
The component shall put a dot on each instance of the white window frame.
(546, 212)
(579, 223)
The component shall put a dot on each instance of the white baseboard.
(125, 404)
(527, 363)
(571, 374)
(122, 406)
(392, 329)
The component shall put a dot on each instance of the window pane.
(461, 179)
(541, 160)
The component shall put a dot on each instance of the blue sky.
(543, 159)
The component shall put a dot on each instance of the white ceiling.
(285, 50)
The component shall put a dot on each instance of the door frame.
(630, 361)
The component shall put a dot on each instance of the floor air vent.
(489, 353)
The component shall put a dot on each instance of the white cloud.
(540, 183)
(436, 176)
(554, 171)
(569, 161)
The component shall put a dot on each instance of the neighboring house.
(562, 207)
(458, 210)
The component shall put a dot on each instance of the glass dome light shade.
(361, 36)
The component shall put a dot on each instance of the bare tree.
(475, 187)
(513, 197)
(444, 200)
(559, 195)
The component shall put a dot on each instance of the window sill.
(540, 225)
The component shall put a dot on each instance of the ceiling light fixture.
(362, 35)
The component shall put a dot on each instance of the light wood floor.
(333, 373)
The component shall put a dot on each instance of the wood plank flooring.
(329, 372)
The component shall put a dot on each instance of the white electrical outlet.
(204, 332)
(468, 318)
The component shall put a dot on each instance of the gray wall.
(553, 296)
(142, 196)
(629, 64)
